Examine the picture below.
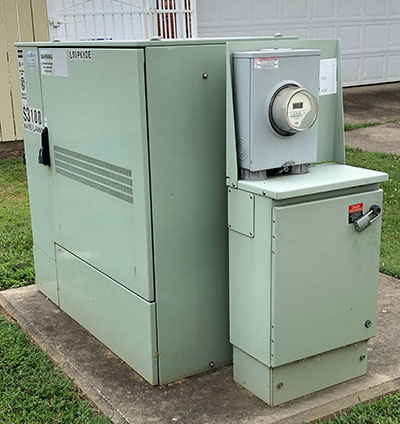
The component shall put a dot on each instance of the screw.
(264, 192)
(279, 385)
(233, 185)
(368, 323)
(362, 357)
(211, 364)
(205, 75)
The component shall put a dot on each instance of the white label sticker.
(80, 54)
(32, 62)
(327, 77)
(266, 62)
(21, 76)
(54, 62)
(32, 119)
(296, 117)
(46, 62)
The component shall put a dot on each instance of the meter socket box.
(275, 106)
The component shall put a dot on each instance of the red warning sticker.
(356, 208)
(355, 211)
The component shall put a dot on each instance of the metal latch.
(366, 220)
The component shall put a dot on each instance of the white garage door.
(369, 30)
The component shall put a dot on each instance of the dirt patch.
(11, 149)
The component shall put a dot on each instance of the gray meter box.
(258, 76)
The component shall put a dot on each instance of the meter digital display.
(292, 109)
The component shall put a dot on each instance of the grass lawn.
(33, 391)
(16, 257)
(390, 243)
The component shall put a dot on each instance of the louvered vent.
(98, 174)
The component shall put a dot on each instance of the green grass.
(351, 127)
(31, 389)
(16, 258)
(390, 243)
(380, 411)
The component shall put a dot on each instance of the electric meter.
(292, 109)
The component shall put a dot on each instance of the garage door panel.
(369, 30)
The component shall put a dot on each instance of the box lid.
(320, 178)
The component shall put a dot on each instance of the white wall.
(369, 30)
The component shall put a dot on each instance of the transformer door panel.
(324, 277)
(40, 177)
(96, 118)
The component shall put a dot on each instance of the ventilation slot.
(100, 175)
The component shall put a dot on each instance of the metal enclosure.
(258, 76)
(303, 279)
(130, 217)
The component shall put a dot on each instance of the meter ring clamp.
(279, 113)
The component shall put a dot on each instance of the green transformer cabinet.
(125, 151)
(304, 228)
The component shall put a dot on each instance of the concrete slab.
(382, 138)
(371, 103)
(211, 398)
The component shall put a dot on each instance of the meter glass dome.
(293, 109)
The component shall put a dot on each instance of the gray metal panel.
(276, 53)
(318, 372)
(250, 289)
(40, 178)
(324, 277)
(121, 320)
(267, 149)
(320, 178)
(187, 152)
(330, 131)
(96, 117)
(46, 274)
(278, 385)
(241, 212)
(252, 374)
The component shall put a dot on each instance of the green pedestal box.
(303, 280)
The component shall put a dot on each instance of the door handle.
(44, 151)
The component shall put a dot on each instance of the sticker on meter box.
(355, 211)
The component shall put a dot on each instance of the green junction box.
(138, 191)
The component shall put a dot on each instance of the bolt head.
(362, 357)
(205, 75)
(211, 364)
(368, 323)
(279, 385)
